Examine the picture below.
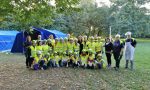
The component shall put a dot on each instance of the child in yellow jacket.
(90, 60)
(71, 60)
(36, 63)
(100, 62)
(65, 58)
(83, 59)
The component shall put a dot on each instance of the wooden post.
(110, 33)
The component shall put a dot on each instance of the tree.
(90, 20)
(26, 13)
(128, 15)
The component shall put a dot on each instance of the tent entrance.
(34, 34)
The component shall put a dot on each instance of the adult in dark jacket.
(117, 50)
(81, 43)
(27, 44)
(108, 50)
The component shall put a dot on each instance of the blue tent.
(58, 34)
(21, 37)
(7, 39)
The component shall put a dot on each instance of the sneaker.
(42, 68)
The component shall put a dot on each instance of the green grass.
(14, 75)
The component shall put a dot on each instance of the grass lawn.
(15, 76)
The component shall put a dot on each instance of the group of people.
(84, 52)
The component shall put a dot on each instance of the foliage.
(22, 14)
(77, 16)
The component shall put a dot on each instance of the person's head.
(68, 35)
(83, 52)
(99, 39)
(39, 37)
(99, 56)
(96, 39)
(128, 34)
(47, 55)
(56, 40)
(82, 39)
(34, 43)
(75, 40)
(92, 39)
(107, 40)
(44, 41)
(39, 53)
(61, 40)
(85, 38)
(28, 38)
(71, 40)
(117, 37)
(79, 38)
(39, 42)
(51, 36)
(90, 51)
(66, 39)
(70, 53)
(49, 41)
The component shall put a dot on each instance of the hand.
(121, 53)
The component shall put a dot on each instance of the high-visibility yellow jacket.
(46, 59)
(37, 59)
(57, 58)
(45, 49)
(76, 47)
(98, 46)
(86, 45)
(65, 46)
(53, 42)
(72, 58)
(39, 48)
(92, 46)
(84, 59)
(59, 47)
(70, 46)
(91, 57)
(33, 51)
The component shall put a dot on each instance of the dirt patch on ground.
(15, 76)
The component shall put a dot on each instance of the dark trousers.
(108, 56)
(27, 61)
(90, 67)
(31, 61)
(41, 63)
(116, 57)
(71, 64)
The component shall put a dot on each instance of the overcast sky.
(107, 2)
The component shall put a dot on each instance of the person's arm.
(25, 45)
(102, 48)
(122, 48)
(134, 43)
(104, 45)
(111, 45)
